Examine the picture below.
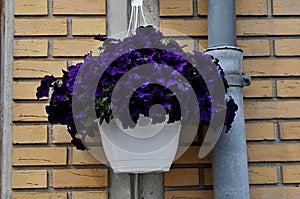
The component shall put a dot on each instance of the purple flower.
(116, 59)
(43, 89)
(230, 113)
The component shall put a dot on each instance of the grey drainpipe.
(7, 38)
(116, 22)
(132, 186)
(229, 157)
(151, 185)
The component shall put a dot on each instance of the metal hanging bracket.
(136, 5)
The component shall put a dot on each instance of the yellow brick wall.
(269, 33)
(49, 36)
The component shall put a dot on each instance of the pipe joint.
(231, 58)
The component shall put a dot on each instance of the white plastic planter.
(142, 150)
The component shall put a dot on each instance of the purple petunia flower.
(143, 98)
(43, 89)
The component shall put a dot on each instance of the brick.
(251, 7)
(28, 179)
(191, 157)
(289, 130)
(60, 134)
(189, 45)
(76, 61)
(287, 47)
(258, 47)
(291, 174)
(30, 7)
(273, 152)
(29, 112)
(79, 7)
(37, 195)
(263, 175)
(88, 26)
(187, 27)
(27, 156)
(272, 109)
(258, 27)
(84, 158)
(31, 48)
(257, 175)
(80, 178)
(176, 7)
(286, 7)
(25, 90)
(288, 88)
(203, 45)
(40, 27)
(182, 177)
(243, 7)
(275, 192)
(260, 88)
(192, 194)
(74, 48)
(202, 7)
(90, 195)
(38, 69)
(208, 177)
(192, 131)
(36, 134)
(271, 67)
(260, 131)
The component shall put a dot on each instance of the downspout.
(7, 38)
(151, 185)
(116, 22)
(229, 156)
(132, 186)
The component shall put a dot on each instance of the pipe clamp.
(238, 80)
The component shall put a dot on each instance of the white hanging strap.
(136, 5)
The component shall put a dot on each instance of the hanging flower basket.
(119, 87)
(140, 154)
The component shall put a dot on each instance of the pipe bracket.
(238, 80)
(246, 80)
